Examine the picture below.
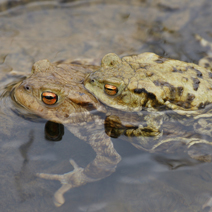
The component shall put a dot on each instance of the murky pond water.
(58, 30)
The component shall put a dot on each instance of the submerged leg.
(102, 166)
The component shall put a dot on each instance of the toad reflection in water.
(56, 93)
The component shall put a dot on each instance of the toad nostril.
(27, 87)
(92, 80)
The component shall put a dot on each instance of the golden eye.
(49, 98)
(111, 89)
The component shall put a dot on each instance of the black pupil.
(49, 97)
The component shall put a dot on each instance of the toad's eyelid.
(112, 82)
(109, 86)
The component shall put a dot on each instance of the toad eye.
(49, 98)
(111, 89)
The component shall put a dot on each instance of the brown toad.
(165, 92)
(56, 92)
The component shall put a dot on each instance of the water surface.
(58, 30)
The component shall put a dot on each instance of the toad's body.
(56, 92)
(166, 90)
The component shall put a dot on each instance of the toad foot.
(68, 180)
